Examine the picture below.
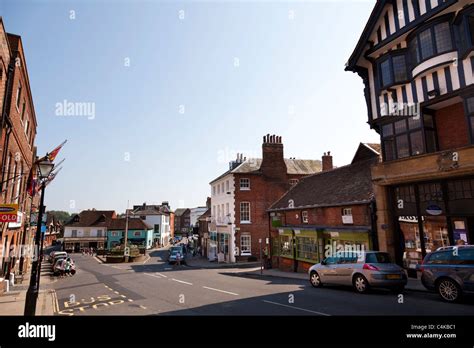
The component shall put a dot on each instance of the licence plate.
(394, 276)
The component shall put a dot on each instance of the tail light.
(370, 267)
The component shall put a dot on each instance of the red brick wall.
(331, 216)
(452, 128)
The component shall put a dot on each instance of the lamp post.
(44, 168)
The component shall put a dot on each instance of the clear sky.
(178, 87)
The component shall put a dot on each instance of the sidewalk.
(412, 285)
(13, 302)
(203, 262)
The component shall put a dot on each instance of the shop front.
(431, 215)
(297, 249)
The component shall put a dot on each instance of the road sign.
(126, 251)
(8, 212)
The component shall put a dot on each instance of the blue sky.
(196, 90)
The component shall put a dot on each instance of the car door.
(327, 272)
(465, 268)
(345, 268)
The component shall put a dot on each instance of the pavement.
(157, 288)
(13, 302)
(203, 262)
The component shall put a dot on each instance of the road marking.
(118, 293)
(116, 267)
(130, 300)
(148, 258)
(55, 302)
(142, 307)
(168, 269)
(225, 292)
(298, 308)
(153, 275)
(123, 296)
(181, 281)
(161, 275)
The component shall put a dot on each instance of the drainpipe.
(373, 223)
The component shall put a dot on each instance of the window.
(74, 233)
(227, 209)
(214, 190)
(245, 245)
(293, 182)
(286, 246)
(404, 138)
(307, 248)
(23, 108)
(434, 40)
(347, 216)
(116, 234)
(18, 96)
(137, 233)
(27, 126)
(304, 216)
(393, 69)
(99, 233)
(244, 184)
(470, 21)
(218, 189)
(244, 212)
(440, 258)
(469, 106)
(227, 186)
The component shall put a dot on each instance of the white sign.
(126, 251)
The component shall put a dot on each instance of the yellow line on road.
(298, 308)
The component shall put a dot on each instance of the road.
(156, 288)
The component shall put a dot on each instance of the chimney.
(273, 164)
(327, 161)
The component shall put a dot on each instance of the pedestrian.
(178, 258)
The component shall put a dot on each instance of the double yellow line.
(55, 301)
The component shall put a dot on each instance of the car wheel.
(449, 290)
(361, 285)
(315, 280)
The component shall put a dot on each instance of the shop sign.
(8, 212)
(434, 210)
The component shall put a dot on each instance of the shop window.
(245, 245)
(307, 248)
(286, 246)
(74, 233)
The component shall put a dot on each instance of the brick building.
(17, 135)
(241, 196)
(325, 211)
(416, 60)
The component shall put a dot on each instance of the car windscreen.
(377, 258)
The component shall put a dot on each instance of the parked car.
(361, 270)
(449, 271)
(55, 254)
(173, 255)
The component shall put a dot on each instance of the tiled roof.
(293, 166)
(344, 185)
(375, 147)
(180, 211)
(133, 224)
(205, 215)
(151, 210)
(87, 218)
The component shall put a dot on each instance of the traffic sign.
(126, 251)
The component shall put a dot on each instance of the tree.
(61, 216)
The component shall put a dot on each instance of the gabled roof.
(293, 166)
(350, 184)
(205, 215)
(151, 210)
(133, 224)
(180, 211)
(366, 151)
(89, 218)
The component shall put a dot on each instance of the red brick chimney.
(327, 161)
(273, 163)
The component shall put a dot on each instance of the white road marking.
(298, 308)
(161, 275)
(168, 269)
(142, 307)
(117, 292)
(116, 267)
(153, 275)
(123, 296)
(130, 300)
(181, 281)
(225, 292)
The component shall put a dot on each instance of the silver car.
(361, 270)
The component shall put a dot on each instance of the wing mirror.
(324, 263)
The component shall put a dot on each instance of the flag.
(51, 177)
(31, 185)
(52, 155)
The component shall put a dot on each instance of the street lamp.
(44, 170)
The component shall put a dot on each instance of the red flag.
(31, 186)
(52, 155)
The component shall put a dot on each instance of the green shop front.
(297, 249)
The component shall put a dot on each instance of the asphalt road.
(156, 288)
